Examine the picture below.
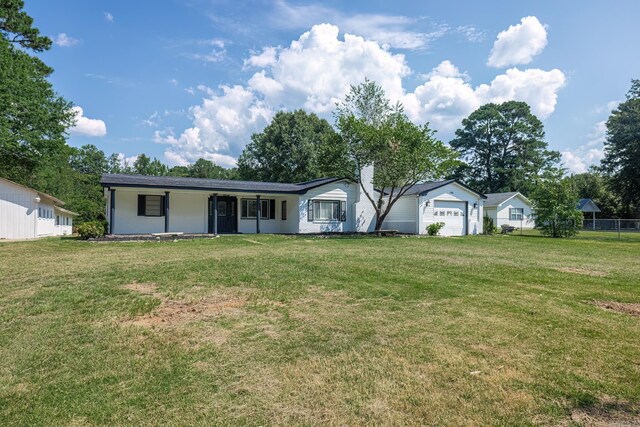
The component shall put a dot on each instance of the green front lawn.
(264, 330)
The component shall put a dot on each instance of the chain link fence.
(507, 225)
(617, 225)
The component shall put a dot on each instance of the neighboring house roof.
(66, 211)
(496, 199)
(425, 187)
(588, 205)
(144, 181)
(39, 193)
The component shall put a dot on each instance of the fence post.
(619, 238)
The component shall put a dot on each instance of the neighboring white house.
(28, 214)
(138, 204)
(450, 202)
(511, 209)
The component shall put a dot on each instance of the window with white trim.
(516, 214)
(327, 210)
(249, 209)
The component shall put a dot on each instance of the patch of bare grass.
(620, 307)
(607, 413)
(173, 312)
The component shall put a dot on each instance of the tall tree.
(289, 149)
(622, 149)
(380, 135)
(556, 207)
(503, 147)
(33, 118)
(203, 168)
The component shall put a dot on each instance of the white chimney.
(365, 213)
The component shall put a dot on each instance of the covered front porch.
(148, 210)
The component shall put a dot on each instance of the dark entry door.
(227, 214)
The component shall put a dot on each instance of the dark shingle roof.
(583, 205)
(425, 187)
(494, 199)
(145, 181)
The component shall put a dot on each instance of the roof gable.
(588, 205)
(496, 199)
(425, 187)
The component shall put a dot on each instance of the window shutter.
(141, 205)
(310, 210)
(343, 211)
(162, 205)
(272, 208)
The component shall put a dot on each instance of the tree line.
(498, 148)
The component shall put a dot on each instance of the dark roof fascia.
(235, 190)
(452, 181)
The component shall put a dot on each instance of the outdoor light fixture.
(37, 199)
(428, 203)
(475, 205)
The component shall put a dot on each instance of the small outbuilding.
(588, 206)
(510, 209)
(26, 213)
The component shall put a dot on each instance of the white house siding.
(515, 202)
(403, 215)
(64, 226)
(126, 219)
(341, 191)
(18, 211)
(188, 211)
(47, 221)
(450, 193)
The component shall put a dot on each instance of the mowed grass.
(276, 330)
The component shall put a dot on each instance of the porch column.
(112, 208)
(215, 214)
(258, 213)
(166, 211)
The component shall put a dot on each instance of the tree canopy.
(622, 149)
(33, 117)
(375, 133)
(555, 202)
(296, 146)
(504, 148)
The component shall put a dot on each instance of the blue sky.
(180, 80)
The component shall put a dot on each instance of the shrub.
(487, 225)
(91, 229)
(434, 229)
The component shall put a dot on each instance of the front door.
(227, 214)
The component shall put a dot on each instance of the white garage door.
(453, 216)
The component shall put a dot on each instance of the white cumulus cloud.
(519, 43)
(447, 96)
(222, 126)
(86, 126)
(108, 17)
(64, 40)
(315, 72)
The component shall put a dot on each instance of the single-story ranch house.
(138, 204)
(28, 214)
(512, 209)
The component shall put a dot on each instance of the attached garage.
(452, 214)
